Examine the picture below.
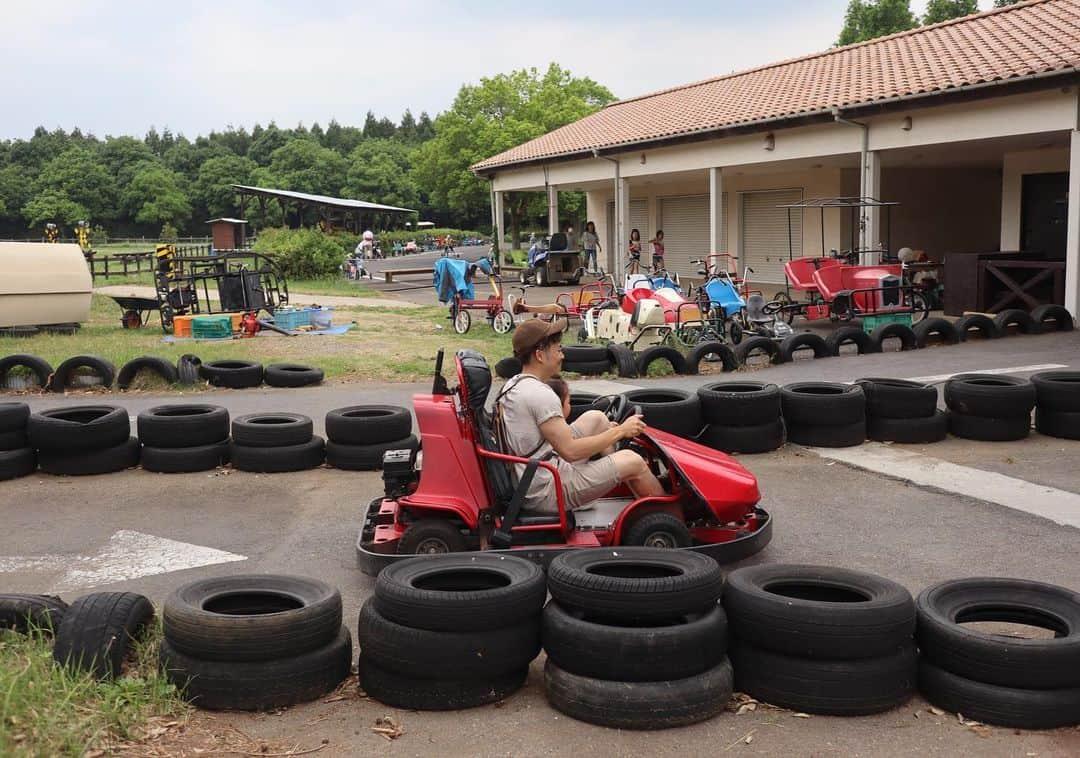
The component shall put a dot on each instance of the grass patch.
(387, 344)
(332, 285)
(48, 710)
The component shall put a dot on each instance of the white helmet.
(368, 235)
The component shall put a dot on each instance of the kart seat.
(755, 310)
(557, 242)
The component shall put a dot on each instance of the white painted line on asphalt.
(1057, 505)
(127, 555)
(1009, 370)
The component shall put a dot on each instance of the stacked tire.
(254, 642)
(359, 435)
(899, 410)
(1057, 407)
(824, 414)
(97, 632)
(272, 443)
(674, 411)
(1026, 683)
(822, 640)
(586, 359)
(989, 407)
(84, 439)
(741, 417)
(183, 438)
(636, 638)
(17, 458)
(451, 631)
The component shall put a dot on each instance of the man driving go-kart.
(531, 425)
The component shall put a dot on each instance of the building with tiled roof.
(969, 125)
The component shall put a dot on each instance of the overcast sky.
(119, 67)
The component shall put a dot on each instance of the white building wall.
(1015, 166)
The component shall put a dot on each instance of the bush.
(98, 235)
(304, 253)
(169, 233)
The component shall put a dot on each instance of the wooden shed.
(228, 233)
(43, 284)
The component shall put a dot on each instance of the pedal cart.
(468, 499)
(721, 301)
(453, 281)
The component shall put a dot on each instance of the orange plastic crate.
(181, 326)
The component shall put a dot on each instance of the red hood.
(723, 484)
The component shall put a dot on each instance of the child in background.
(658, 251)
(635, 251)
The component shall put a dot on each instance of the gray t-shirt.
(526, 403)
(589, 240)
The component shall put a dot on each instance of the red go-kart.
(462, 495)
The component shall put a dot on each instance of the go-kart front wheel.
(462, 321)
(431, 536)
(661, 530)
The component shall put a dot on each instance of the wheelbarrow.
(135, 310)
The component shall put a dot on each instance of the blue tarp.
(453, 276)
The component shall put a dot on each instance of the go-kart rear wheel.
(462, 321)
(661, 530)
(431, 537)
(502, 322)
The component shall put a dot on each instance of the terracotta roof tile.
(1037, 37)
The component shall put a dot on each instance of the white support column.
(553, 209)
(1072, 230)
(500, 224)
(872, 188)
(716, 210)
(622, 225)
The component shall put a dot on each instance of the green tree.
(943, 10)
(122, 154)
(303, 165)
(1003, 3)
(213, 187)
(264, 145)
(379, 172)
(15, 187)
(80, 176)
(157, 195)
(53, 206)
(870, 19)
(486, 119)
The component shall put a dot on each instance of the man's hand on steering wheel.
(626, 416)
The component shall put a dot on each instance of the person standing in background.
(635, 252)
(658, 251)
(590, 243)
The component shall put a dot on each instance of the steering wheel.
(772, 307)
(620, 409)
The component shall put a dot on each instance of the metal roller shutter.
(639, 219)
(685, 223)
(765, 233)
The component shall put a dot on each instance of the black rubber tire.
(25, 613)
(761, 438)
(827, 436)
(1042, 664)
(1001, 706)
(277, 460)
(630, 584)
(822, 404)
(751, 344)
(898, 398)
(850, 334)
(739, 403)
(17, 463)
(78, 428)
(104, 460)
(508, 368)
(1061, 424)
(670, 410)
(1057, 391)
(977, 323)
(368, 424)
(991, 395)
(251, 617)
(989, 429)
(183, 460)
(794, 342)
(1052, 318)
(423, 654)
(906, 335)
(622, 358)
(13, 417)
(103, 368)
(640, 705)
(460, 593)
(159, 366)
(97, 630)
(830, 687)
(260, 685)
(660, 353)
(908, 431)
(691, 645)
(232, 374)
(13, 440)
(432, 536)
(271, 429)
(941, 328)
(579, 403)
(585, 353)
(728, 360)
(365, 457)
(292, 375)
(818, 612)
(187, 369)
(183, 425)
(41, 368)
(587, 368)
(397, 691)
(659, 530)
(1015, 318)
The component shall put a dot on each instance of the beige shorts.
(585, 481)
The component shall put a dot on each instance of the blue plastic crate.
(292, 319)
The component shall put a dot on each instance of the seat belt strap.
(502, 537)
